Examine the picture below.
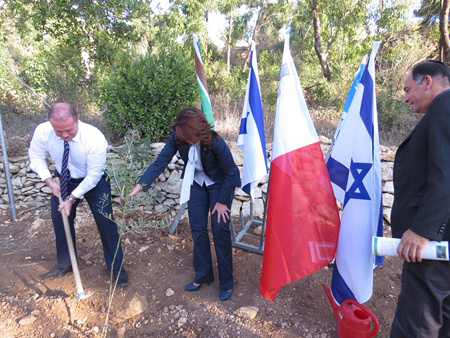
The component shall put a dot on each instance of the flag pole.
(263, 229)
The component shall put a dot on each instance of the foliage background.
(130, 67)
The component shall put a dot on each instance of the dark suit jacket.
(217, 163)
(422, 176)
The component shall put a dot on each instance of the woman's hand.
(136, 190)
(222, 211)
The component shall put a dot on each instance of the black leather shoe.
(123, 277)
(225, 295)
(59, 272)
(191, 287)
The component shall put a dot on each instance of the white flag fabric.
(355, 172)
(251, 138)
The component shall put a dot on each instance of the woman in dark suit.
(209, 178)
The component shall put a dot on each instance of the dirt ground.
(156, 262)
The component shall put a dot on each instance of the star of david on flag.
(355, 173)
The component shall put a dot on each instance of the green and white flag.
(202, 85)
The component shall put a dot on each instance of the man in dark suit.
(421, 209)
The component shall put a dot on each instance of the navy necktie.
(65, 173)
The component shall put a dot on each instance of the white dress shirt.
(87, 156)
(199, 175)
(193, 172)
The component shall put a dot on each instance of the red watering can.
(354, 320)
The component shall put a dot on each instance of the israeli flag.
(355, 172)
(251, 138)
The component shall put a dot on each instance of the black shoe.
(225, 295)
(191, 287)
(59, 272)
(123, 277)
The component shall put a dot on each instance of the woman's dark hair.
(191, 125)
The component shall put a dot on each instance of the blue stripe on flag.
(352, 91)
(338, 173)
(339, 288)
(256, 107)
(367, 102)
(379, 260)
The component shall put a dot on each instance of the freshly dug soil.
(159, 266)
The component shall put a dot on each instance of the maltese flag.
(251, 138)
(302, 215)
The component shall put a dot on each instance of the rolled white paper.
(385, 246)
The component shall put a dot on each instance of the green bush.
(269, 75)
(395, 119)
(220, 81)
(59, 74)
(146, 91)
(391, 110)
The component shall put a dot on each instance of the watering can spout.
(333, 304)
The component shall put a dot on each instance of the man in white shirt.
(84, 162)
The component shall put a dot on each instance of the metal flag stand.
(177, 219)
(244, 227)
(7, 173)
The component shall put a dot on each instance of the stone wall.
(29, 190)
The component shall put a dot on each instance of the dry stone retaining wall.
(29, 190)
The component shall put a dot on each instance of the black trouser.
(106, 227)
(201, 203)
(423, 308)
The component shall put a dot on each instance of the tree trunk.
(444, 41)
(230, 23)
(318, 41)
(207, 22)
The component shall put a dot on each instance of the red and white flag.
(302, 216)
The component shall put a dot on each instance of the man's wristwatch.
(71, 199)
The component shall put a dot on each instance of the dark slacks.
(106, 227)
(423, 308)
(201, 203)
